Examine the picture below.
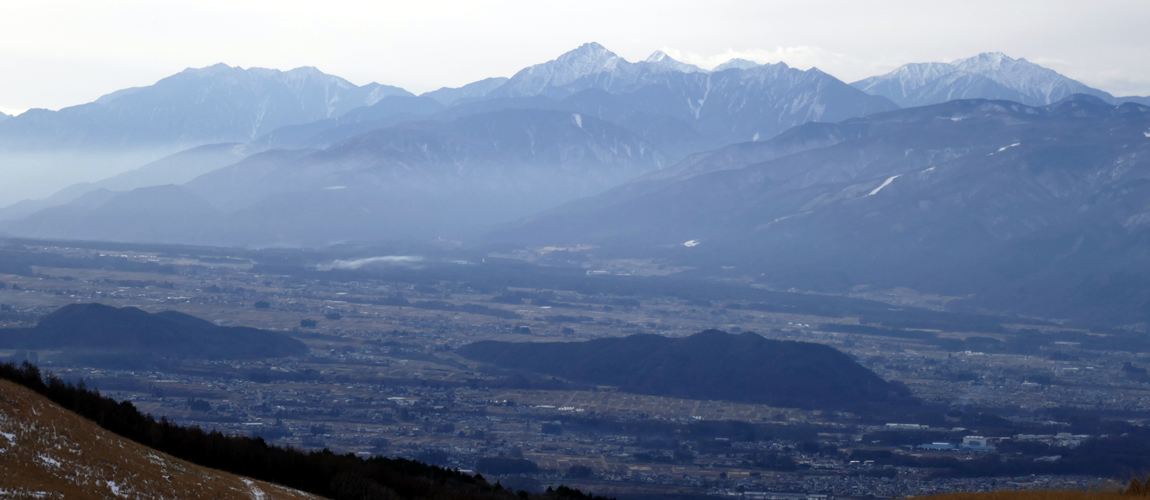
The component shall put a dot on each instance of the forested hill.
(97, 328)
(708, 365)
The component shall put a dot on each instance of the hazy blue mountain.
(4, 116)
(167, 214)
(416, 180)
(745, 101)
(991, 75)
(587, 59)
(43, 151)
(434, 178)
(921, 84)
(1039, 85)
(474, 90)
(174, 169)
(677, 107)
(196, 106)
(965, 197)
(735, 64)
(388, 111)
(661, 60)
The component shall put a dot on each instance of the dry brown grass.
(49, 452)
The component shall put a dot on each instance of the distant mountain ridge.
(990, 75)
(218, 103)
(676, 107)
(711, 365)
(962, 198)
(416, 180)
(43, 151)
(359, 154)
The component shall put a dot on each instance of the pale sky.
(57, 53)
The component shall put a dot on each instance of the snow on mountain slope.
(49, 452)
(587, 59)
(990, 75)
(196, 106)
(661, 60)
(1038, 84)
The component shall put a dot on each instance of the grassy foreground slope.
(49, 452)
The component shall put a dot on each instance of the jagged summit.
(920, 73)
(989, 75)
(992, 59)
(587, 59)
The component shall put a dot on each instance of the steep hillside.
(49, 452)
(708, 365)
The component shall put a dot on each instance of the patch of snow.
(1147, 134)
(257, 494)
(11, 438)
(756, 137)
(333, 188)
(928, 170)
(692, 243)
(49, 460)
(1004, 148)
(115, 489)
(884, 184)
(578, 120)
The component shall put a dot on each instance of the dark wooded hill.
(708, 365)
(169, 334)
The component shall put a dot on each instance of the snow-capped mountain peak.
(661, 61)
(587, 59)
(920, 73)
(1040, 85)
(989, 75)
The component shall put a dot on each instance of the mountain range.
(1039, 207)
(417, 180)
(983, 176)
(444, 164)
(991, 75)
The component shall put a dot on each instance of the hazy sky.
(56, 53)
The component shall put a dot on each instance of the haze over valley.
(687, 276)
